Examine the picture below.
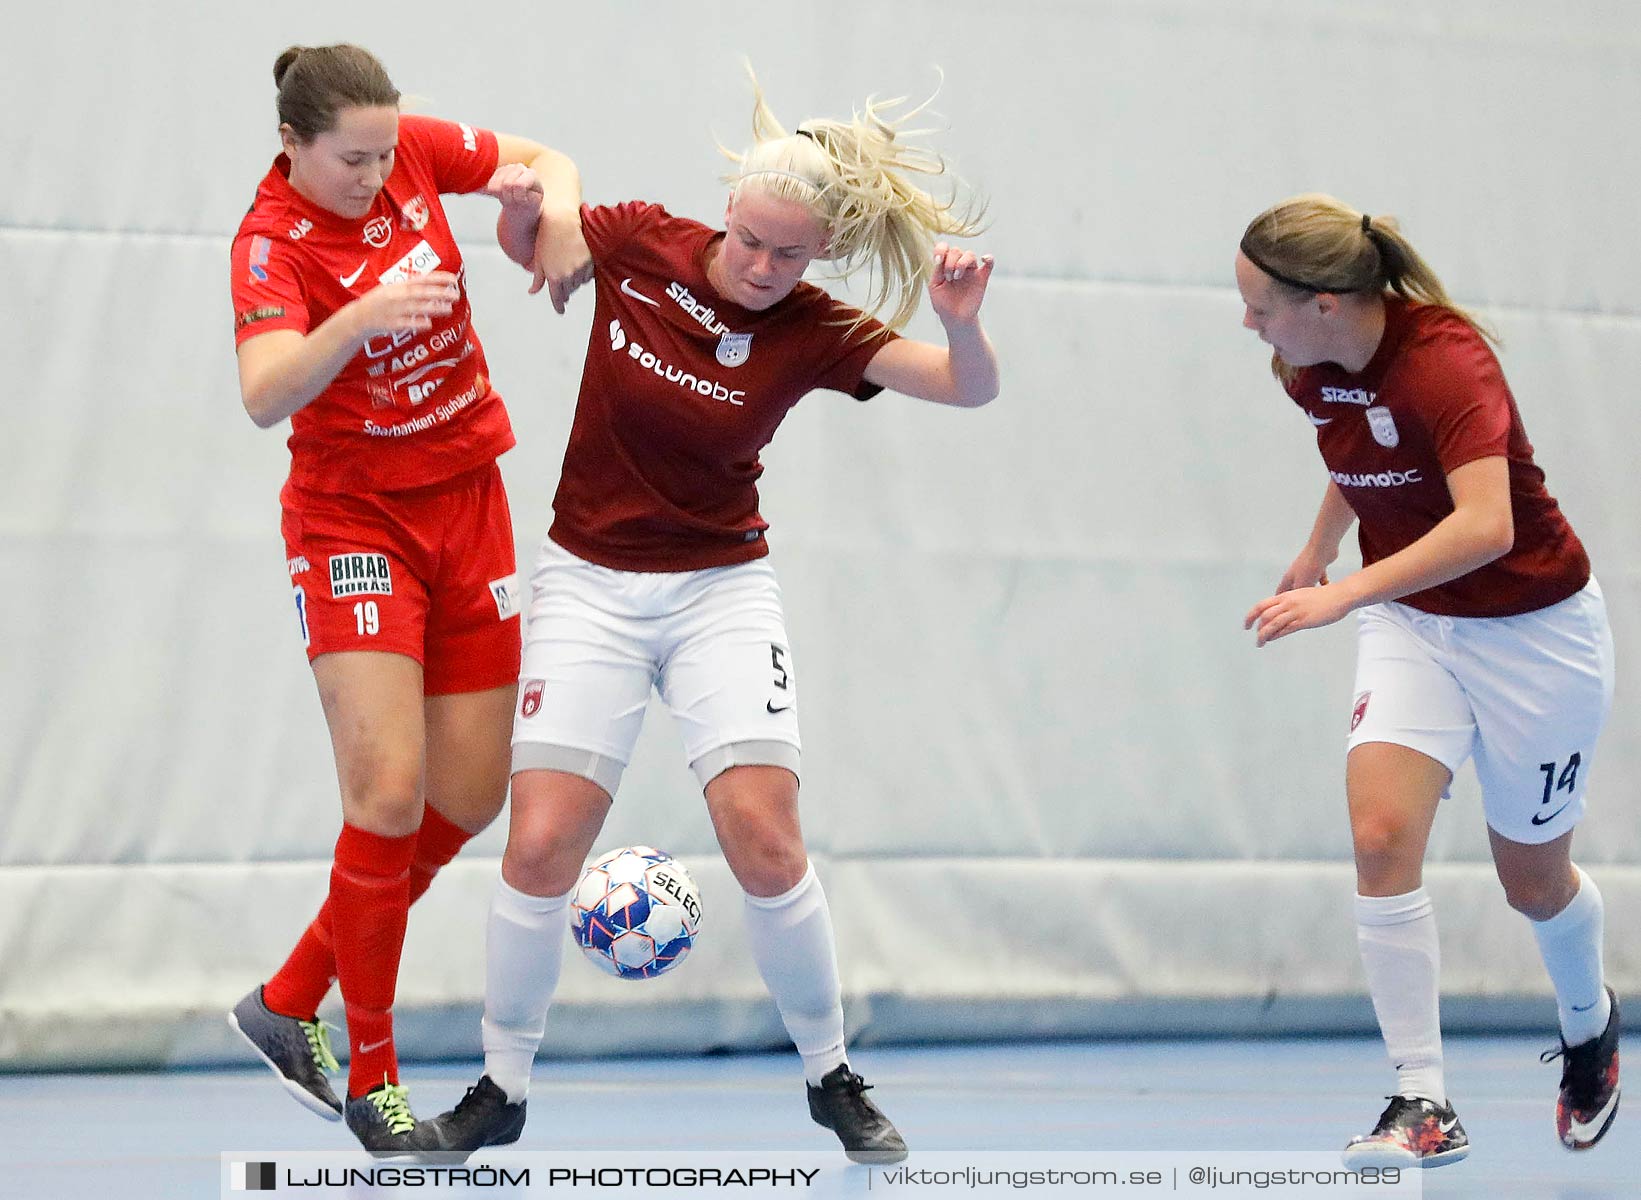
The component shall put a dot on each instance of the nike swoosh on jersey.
(1319, 421)
(349, 280)
(626, 286)
(1583, 1131)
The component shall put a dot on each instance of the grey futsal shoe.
(840, 1104)
(382, 1121)
(297, 1050)
(482, 1117)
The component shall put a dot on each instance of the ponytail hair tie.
(1367, 223)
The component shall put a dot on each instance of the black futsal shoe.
(297, 1050)
(382, 1121)
(482, 1117)
(1412, 1132)
(840, 1104)
(1589, 1085)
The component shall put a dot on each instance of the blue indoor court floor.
(161, 1134)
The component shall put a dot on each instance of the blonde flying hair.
(1314, 244)
(853, 176)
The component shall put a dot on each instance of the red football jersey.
(405, 411)
(1431, 399)
(681, 390)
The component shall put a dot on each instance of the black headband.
(1297, 284)
(1315, 289)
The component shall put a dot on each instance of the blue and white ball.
(636, 912)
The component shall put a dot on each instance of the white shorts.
(712, 642)
(1526, 695)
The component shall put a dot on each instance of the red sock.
(437, 842)
(369, 901)
(297, 988)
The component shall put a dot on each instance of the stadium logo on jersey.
(419, 261)
(505, 592)
(360, 575)
(414, 215)
(1377, 479)
(530, 703)
(703, 314)
(1360, 711)
(1333, 395)
(651, 361)
(299, 230)
(734, 349)
(378, 231)
(1383, 426)
(260, 246)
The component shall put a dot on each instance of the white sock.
(523, 950)
(1397, 938)
(1570, 945)
(792, 944)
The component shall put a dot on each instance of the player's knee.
(768, 859)
(1538, 898)
(540, 857)
(1383, 844)
(382, 798)
(538, 869)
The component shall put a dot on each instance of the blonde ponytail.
(1314, 243)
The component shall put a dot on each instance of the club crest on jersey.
(734, 349)
(1360, 711)
(378, 231)
(360, 575)
(414, 215)
(1383, 426)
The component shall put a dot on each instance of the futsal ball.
(636, 912)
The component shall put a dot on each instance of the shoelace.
(1398, 1105)
(319, 1045)
(1580, 1071)
(855, 1088)
(468, 1101)
(392, 1100)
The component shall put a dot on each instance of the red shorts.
(427, 573)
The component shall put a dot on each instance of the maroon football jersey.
(1431, 399)
(681, 391)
